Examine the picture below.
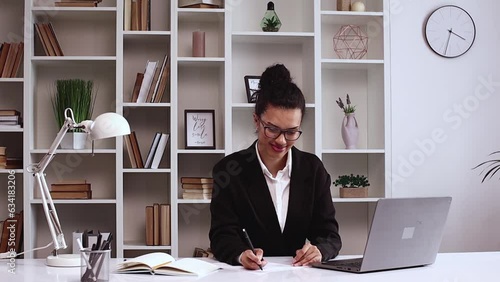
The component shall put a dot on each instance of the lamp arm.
(44, 162)
(38, 170)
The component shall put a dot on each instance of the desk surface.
(449, 267)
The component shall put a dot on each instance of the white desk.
(449, 267)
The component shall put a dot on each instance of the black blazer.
(241, 199)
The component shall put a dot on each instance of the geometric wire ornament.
(350, 42)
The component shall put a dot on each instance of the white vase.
(350, 131)
(74, 140)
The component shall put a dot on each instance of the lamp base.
(64, 260)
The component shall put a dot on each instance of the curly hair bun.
(275, 76)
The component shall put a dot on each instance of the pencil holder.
(95, 265)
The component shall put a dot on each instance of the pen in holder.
(95, 265)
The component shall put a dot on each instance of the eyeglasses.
(275, 132)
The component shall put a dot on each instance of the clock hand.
(451, 31)
(447, 41)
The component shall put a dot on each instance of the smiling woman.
(277, 193)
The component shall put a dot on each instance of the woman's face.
(277, 120)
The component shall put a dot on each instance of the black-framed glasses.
(275, 132)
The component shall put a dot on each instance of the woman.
(277, 193)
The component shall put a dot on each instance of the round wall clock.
(450, 31)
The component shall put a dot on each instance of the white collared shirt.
(279, 186)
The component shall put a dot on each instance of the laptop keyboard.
(347, 263)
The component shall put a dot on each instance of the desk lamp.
(105, 126)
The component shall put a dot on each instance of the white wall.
(445, 120)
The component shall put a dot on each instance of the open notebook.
(165, 264)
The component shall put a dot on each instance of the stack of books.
(158, 225)
(137, 15)
(77, 3)
(151, 84)
(155, 154)
(71, 189)
(11, 57)
(48, 38)
(202, 253)
(197, 187)
(10, 119)
(9, 162)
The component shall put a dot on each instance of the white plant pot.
(74, 140)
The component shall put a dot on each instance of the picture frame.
(199, 129)
(252, 85)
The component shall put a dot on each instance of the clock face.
(450, 31)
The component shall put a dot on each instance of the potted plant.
(352, 186)
(78, 95)
(491, 167)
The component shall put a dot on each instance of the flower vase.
(350, 131)
(74, 140)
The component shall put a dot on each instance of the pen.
(249, 242)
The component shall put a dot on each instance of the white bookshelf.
(96, 47)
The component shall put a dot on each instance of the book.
(160, 83)
(70, 181)
(54, 41)
(11, 57)
(137, 86)
(70, 187)
(165, 264)
(197, 196)
(9, 113)
(18, 60)
(197, 180)
(198, 191)
(197, 185)
(162, 144)
(152, 149)
(71, 195)
(3, 55)
(135, 15)
(130, 151)
(156, 224)
(136, 150)
(164, 224)
(127, 15)
(76, 4)
(149, 226)
(146, 82)
(44, 37)
(154, 80)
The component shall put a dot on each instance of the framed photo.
(200, 129)
(252, 85)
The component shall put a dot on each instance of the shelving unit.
(97, 47)
(12, 97)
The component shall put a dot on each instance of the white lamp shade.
(107, 125)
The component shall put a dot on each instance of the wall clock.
(450, 31)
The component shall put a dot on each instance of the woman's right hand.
(252, 261)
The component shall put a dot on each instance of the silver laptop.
(405, 232)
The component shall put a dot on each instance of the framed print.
(252, 85)
(200, 129)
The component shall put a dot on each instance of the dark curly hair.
(276, 88)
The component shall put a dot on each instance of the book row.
(155, 154)
(151, 84)
(137, 15)
(158, 225)
(11, 57)
(48, 38)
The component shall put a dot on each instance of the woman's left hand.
(307, 255)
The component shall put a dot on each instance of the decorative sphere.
(358, 6)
